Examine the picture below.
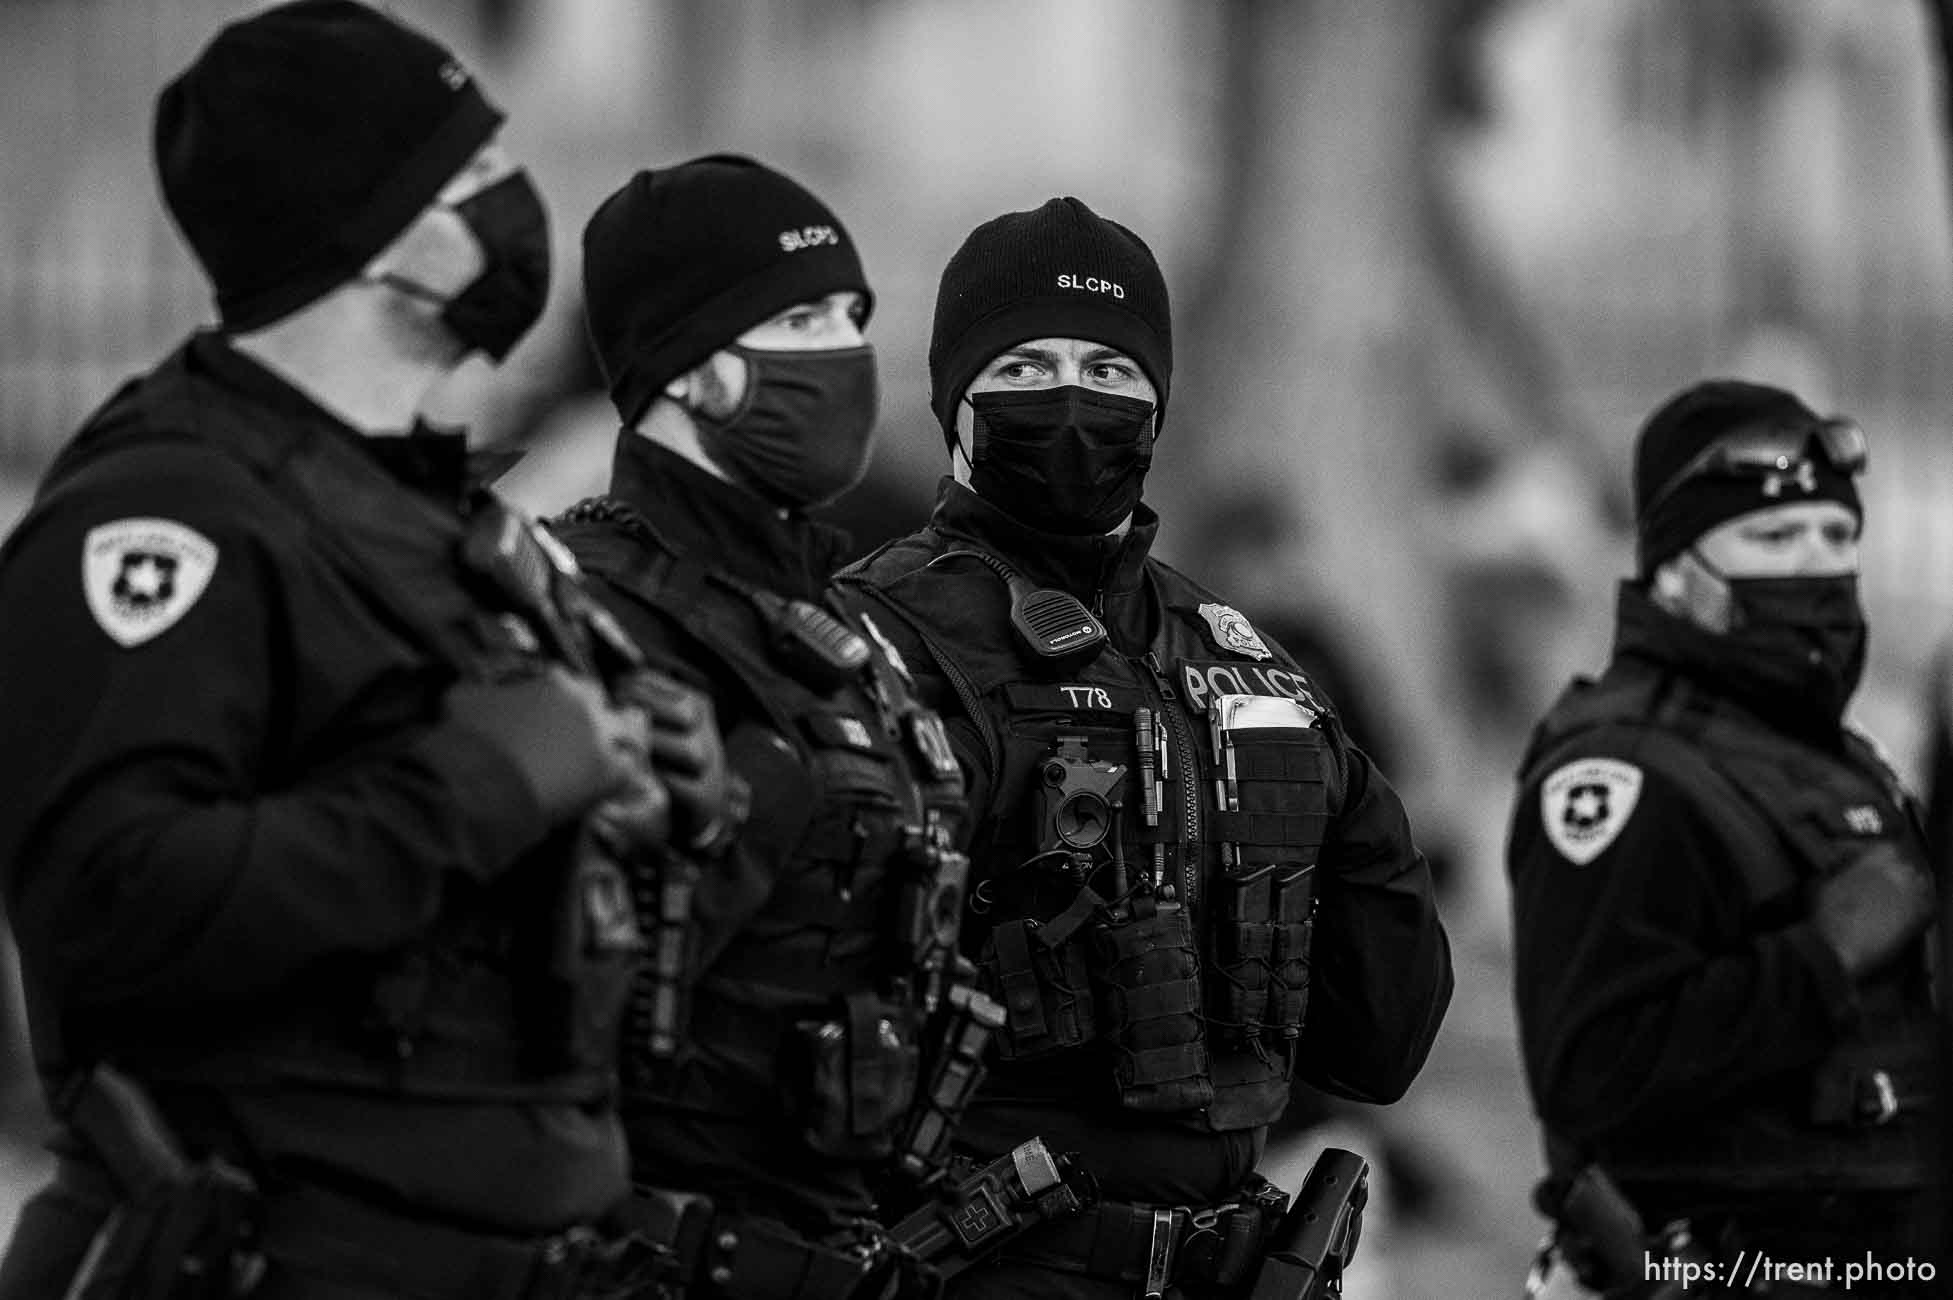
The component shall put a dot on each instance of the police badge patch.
(1584, 805)
(141, 575)
(1231, 631)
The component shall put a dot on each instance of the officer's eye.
(1110, 372)
(1020, 369)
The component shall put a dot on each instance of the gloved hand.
(636, 820)
(561, 731)
(709, 800)
(1872, 909)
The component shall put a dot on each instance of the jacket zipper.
(1183, 750)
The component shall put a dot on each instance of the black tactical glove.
(636, 820)
(1872, 909)
(560, 731)
(709, 800)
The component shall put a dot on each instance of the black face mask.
(1069, 460)
(1807, 632)
(800, 436)
(1794, 644)
(501, 304)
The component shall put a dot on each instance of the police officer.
(323, 956)
(1719, 889)
(726, 304)
(1194, 888)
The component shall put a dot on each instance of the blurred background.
(1431, 262)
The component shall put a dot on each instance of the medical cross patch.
(1584, 805)
(141, 575)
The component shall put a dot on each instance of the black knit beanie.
(1061, 271)
(1679, 431)
(302, 142)
(680, 262)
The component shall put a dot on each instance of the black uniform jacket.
(1672, 1012)
(228, 794)
(792, 919)
(1380, 970)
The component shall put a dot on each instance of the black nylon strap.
(1287, 762)
(1084, 906)
(864, 1016)
(1113, 1241)
(1019, 978)
(739, 1256)
(1164, 1064)
(1267, 829)
(1156, 1000)
(341, 1239)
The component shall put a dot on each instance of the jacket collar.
(1113, 565)
(1648, 636)
(427, 459)
(1105, 570)
(721, 523)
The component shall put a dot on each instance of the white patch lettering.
(793, 241)
(1092, 284)
(1196, 687)
(1584, 805)
(141, 575)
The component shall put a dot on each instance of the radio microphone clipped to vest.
(1051, 626)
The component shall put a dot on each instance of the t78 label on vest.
(1076, 697)
(1203, 679)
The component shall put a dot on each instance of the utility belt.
(201, 1250)
(1602, 1237)
(1856, 1121)
(1256, 1245)
(699, 1251)
(1218, 1246)
(980, 1207)
(182, 1229)
(319, 1232)
(1864, 1096)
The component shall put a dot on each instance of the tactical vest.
(516, 990)
(1791, 815)
(1147, 892)
(820, 1002)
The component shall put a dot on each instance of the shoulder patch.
(141, 575)
(1584, 804)
(1230, 630)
